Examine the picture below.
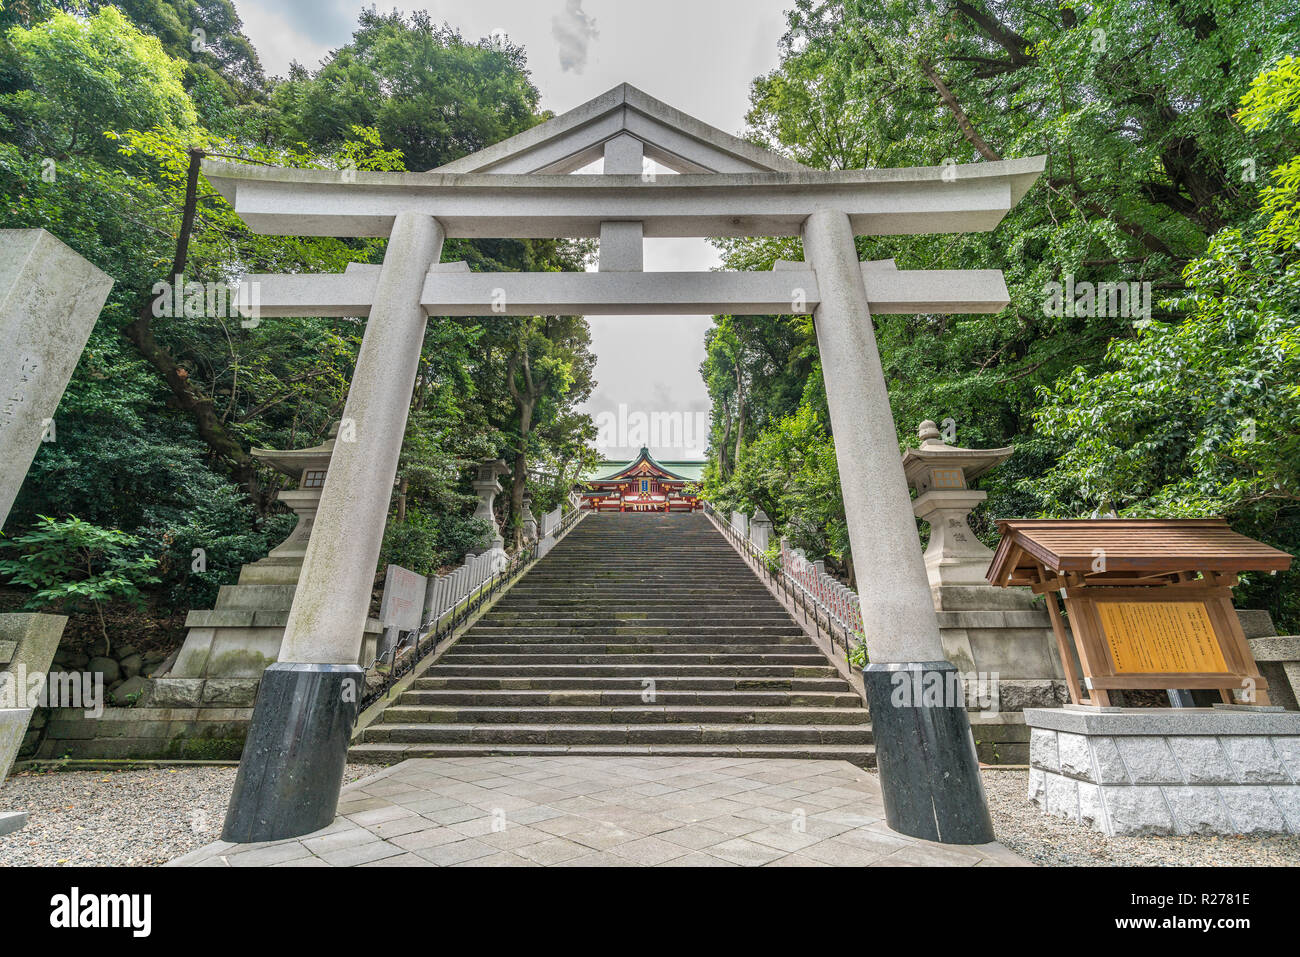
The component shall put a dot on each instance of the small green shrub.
(72, 562)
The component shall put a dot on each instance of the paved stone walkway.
(607, 811)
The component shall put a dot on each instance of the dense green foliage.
(105, 114)
(1159, 152)
(1171, 130)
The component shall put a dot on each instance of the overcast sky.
(696, 55)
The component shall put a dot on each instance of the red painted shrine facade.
(643, 485)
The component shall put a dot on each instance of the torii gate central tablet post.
(292, 766)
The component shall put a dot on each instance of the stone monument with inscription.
(50, 298)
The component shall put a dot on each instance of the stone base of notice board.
(1144, 771)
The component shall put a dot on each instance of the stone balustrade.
(824, 590)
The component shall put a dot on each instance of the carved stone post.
(528, 520)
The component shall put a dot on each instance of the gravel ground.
(119, 818)
(151, 815)
(1033, 835)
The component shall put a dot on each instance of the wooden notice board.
(1161, 637)
(1149, 601)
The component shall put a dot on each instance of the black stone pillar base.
(929, 775)
(292, 768)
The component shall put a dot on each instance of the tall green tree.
(431, 94)
(105, 117)
(1133, 103)
(1202, 416)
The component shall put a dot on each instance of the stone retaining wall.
(175, 718)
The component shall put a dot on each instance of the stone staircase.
(637, 634)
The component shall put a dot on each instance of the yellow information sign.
(1161, 637)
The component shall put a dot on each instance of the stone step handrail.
(839, 601)
(447, 591)
(808, 582)
(498, 570)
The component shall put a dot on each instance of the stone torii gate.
(292, 766)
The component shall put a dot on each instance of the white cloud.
(573, 31)
(280, 38)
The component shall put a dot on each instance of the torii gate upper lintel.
(524, 187)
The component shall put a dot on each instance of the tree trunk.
(740, 413)
(519, 480)
(526, 401)
(724, 447)
(963, 121)
(185, 396)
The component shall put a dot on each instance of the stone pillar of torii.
(292, 766)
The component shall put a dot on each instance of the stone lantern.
(488, 488)
(1001, 637)
(940, 474)
(308, 466)
(241, 636)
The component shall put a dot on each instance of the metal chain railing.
(822, 616)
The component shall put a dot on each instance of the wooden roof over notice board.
(1134, 549)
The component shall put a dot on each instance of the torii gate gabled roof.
(524, 188)
(577, 138)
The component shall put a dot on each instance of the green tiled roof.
(687, 470)
(691, 470)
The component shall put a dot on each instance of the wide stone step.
(607, 618)
(625, 714)
(525, 636)
(578, 577)
(864, 755)
(634, 566)
(519, 632)
(684, 592)
(665, 604)
(640, 670)
(670, 646)
(588, 578)
(620, 619)
(571, 697)
(649, 733)
(545, 657)
(621, 611)
(716, 610)
(436, 680)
